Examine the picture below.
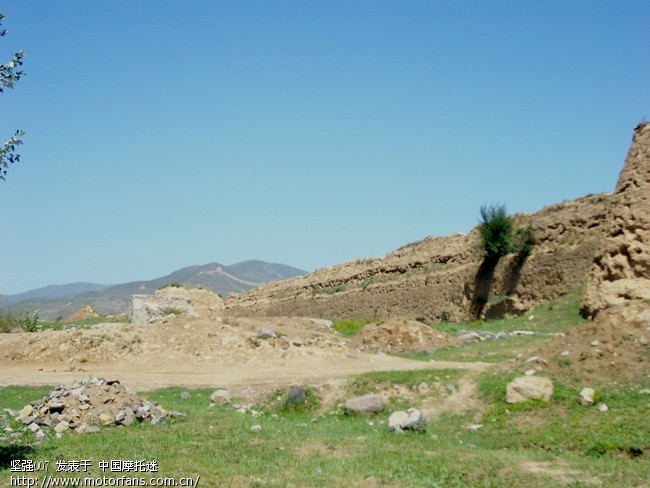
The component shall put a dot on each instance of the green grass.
(564, 426)
(380, 380)
(558, 315)
(350, 328)
(304, 449)
(534, 444)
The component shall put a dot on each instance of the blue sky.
(162, 134)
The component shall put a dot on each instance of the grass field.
(530, 445)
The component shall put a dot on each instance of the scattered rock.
(297, 396)
(526, 388)
(412, 419)
(396, 420)
(365, 405)
(263, 333)
(602, 407)
(586, 396)
(256, 428)
(220, 396)
(185, 395)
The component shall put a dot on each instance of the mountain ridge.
(54, 301)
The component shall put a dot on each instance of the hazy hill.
(52, 292)
(61, 300)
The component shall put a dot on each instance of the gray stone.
(529, 388)
(323, 322)
(297, 396)
(185, 395)
(56, 406)
(396, 420)
(415, 421)
(265, 333)
(220, 396)
(25, 412)
(365, 405)
(61, 427)
(87, 429)
(412, 419)
(158, 420)
(256, 428)
(586, 396)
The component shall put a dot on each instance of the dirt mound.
(84, 313)
(399, 336)
(615, 347)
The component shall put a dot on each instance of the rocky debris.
(621, 268)
(220, 396)
(399, 336)
(526, 388)
(185, 395)
(83, 313)
(365, 405)
(465, 336)
(323, 323)
(173, 300)
(412, 419)
(85, 405)
(296, 397)
(256, 428)
(586, 396)
(264, 333)
(602, 407)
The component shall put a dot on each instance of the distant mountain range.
(56, 301)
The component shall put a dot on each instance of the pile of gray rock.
(480, 335)
(86, 406)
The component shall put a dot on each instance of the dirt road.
(194, 352)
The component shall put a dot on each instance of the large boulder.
(527, 388)
(621, 269)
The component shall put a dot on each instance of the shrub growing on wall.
(496, 231)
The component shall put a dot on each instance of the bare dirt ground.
(243, 354)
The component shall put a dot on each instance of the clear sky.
(162, 134)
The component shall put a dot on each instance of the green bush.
(525, 240)
(496, 231)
